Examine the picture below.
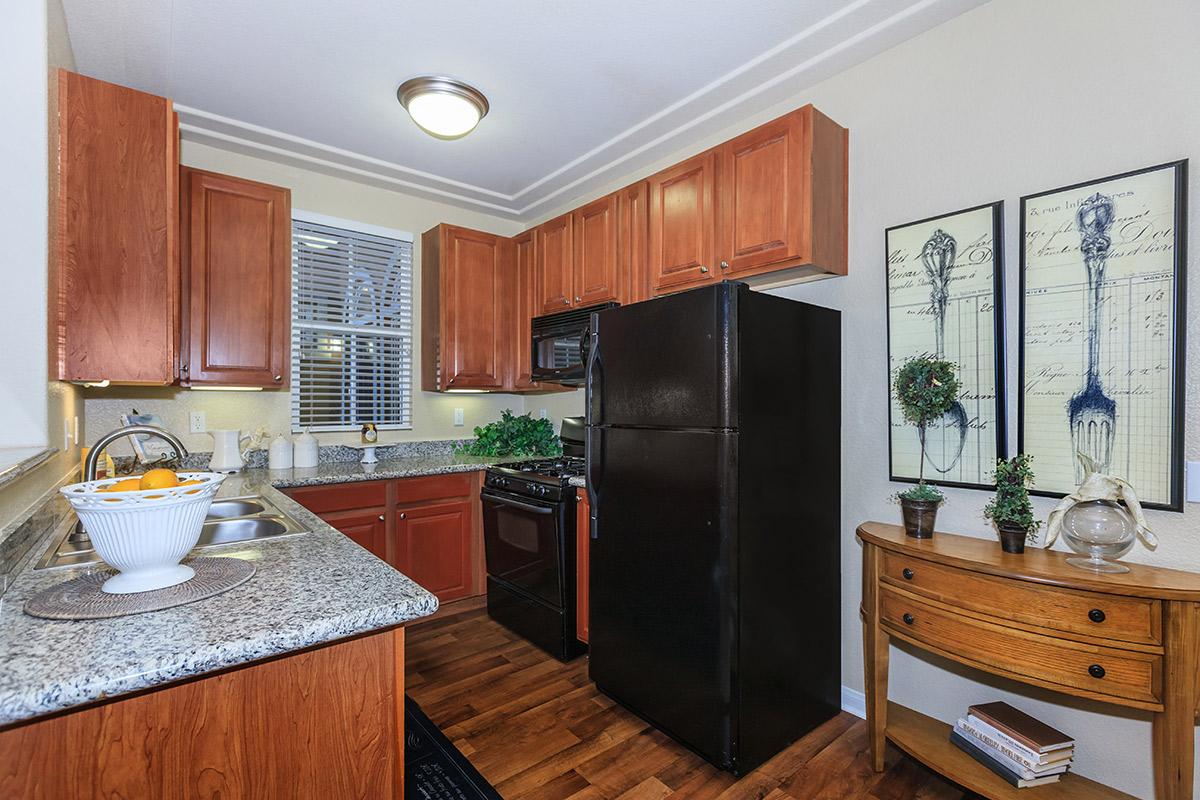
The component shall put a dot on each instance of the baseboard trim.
(854, 702)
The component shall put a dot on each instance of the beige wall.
(1012, 98)
(433, 414)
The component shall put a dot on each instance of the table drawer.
(997, 648)
(1126, 619)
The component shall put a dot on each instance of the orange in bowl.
(159, 479)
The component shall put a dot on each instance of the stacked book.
(1014, 745)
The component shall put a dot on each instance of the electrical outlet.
(1193, 482)
(543, 413)
(458, 417)
(196, 422)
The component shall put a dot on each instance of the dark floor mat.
(433, 767)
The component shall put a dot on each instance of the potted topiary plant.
(926, 389)
(1010, 509)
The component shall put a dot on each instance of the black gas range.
(529, 541)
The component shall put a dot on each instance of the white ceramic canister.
(306, 451)
(280, 454)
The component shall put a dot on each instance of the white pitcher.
(227, 450)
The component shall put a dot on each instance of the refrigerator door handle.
(592, 456)
(593, 374)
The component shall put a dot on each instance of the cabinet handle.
(382, 518)
(278, 378)
(403, 515)
(703, 269)
(1096, 671)
(909, 619)
(908, 574)
(1096, 615)
(724, 265)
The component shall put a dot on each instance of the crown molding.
(206, 127)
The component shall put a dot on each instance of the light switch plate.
(66, 434)
(543, 413)
(1193, 482)
(458, 417)
(196, 422)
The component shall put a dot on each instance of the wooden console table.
(1130, 640)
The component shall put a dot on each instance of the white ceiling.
(581, 92)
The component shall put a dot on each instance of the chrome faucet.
(93, 457)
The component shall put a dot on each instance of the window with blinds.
(352, 344)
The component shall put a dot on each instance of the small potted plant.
(1010, 509)
(926, 389)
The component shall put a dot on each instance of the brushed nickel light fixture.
(442, 107)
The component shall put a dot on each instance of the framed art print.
(1102, 332)
(945, 299)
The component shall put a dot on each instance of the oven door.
(523, 543)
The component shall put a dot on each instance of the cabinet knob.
(1096, 615)
(578, 299)
(703, 269)
(278, 378)
(908, 574)
(1096, 671)
(403, 515)
(381, 518)
(566, 301)
(909, 619)
(724, 265)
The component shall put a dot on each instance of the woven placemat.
(81, 598)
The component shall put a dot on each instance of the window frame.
(355, 226)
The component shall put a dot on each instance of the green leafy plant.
(926, 389)
(514, 436)
(1011, 504)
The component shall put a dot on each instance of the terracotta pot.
(1012, 538)
(919, 517)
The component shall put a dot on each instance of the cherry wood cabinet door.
(596, 273)
(554, 270)
(633, 218)
(237, 273)
(114, 277)
(761, 192)
(366, 527)
(525, 308)
(682, 224)
(583, 541)
(434, 543)
(473, 287)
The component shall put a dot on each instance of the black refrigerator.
(713, 471)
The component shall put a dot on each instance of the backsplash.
(326, 454)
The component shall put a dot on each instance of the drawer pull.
(908, 574)
(1096, 615)
(1096, 671)
(909, 619)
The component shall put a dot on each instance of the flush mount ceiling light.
(442, 107)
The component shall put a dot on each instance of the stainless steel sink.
(229, 521)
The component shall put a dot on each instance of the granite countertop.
(578, 481)
(309, 589)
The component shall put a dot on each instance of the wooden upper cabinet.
(596, 272)
(783, 195)
(633, 219)
(465, 287)
(682, 230)
(554, 264)
(114, 277)
(237, 270)
(526, 307)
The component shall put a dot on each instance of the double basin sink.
(242, 519)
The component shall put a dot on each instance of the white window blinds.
(352, 346)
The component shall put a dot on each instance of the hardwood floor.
(539, 730)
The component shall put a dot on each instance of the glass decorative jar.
(1099, 529)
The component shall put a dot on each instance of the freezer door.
(665, 363)
(662, 579)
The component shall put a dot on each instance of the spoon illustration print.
(1092, 413)
(938, 255)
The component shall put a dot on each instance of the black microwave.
(560, 343)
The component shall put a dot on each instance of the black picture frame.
(1179, 341)
(1001, 424)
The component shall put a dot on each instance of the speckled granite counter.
(578, 481)
(309, 589)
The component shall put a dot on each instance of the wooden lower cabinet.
(583, 541)
(322, 723)
(428, 527)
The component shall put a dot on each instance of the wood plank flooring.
(539, 730)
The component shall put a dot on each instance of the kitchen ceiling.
(581, 93)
